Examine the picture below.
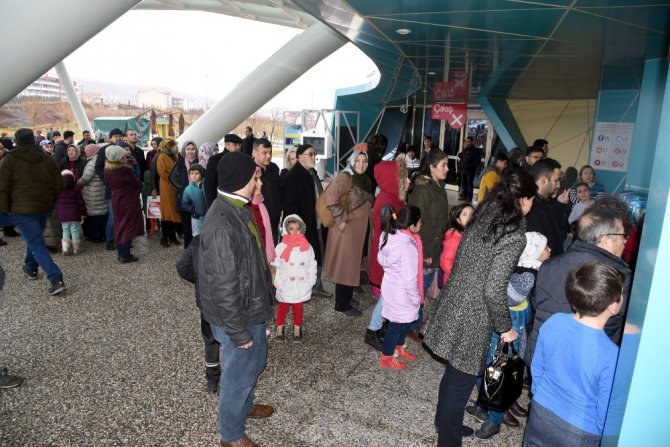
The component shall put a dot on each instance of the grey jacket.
(94, 190)
(234, 278)
(473, 303)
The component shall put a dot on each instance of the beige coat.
(167, 192)
(344, 248)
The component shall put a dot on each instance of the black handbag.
(503, 379)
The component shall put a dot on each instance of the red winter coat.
(126, 204)
(390, 176)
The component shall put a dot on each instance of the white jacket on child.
(294, 279)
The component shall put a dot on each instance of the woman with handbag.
(474, 301)
(349, 199)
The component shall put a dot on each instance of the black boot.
(373, 340)
(166, 227)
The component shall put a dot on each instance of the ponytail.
(392, 221)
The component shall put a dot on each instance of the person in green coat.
(429, 195)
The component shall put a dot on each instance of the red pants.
(282, 310)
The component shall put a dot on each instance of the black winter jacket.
(234, 278)
(272, 197)
(299, 196)
(187, 266)
(549, 217)
(550, 295)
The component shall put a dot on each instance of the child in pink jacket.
(400, 255)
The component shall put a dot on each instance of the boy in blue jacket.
(193, 199)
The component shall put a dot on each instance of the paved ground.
(117, 361)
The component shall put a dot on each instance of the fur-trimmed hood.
(391, 176)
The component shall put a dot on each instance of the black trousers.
(343, 295)
(467, 185)
(455, 389)
(95, 227)
(212, 349)
(186, 228)
(168, 230)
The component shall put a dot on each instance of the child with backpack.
(401, 256)
(71, 210)
(295, 276)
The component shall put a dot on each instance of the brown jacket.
(29, 181)
(344, 250)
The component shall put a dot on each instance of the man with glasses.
(300, 193)
(533, 155)
(600, 238)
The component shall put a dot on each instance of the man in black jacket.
(235, 284)
(471, 157)
(248, 141)
(231, 143)
(601, 238)
(136, 151)
(262, 155)
(60, 150)
(301, 191)
(548, 215)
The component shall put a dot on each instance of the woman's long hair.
(515, 185)
(393, 221)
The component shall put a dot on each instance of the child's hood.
(535, 245)
(293, 218)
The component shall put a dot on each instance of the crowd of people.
(258, 242)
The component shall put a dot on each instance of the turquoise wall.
(503, 121)
(638, 412)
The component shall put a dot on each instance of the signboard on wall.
(454, 113)
(455, 89)
(611, 146)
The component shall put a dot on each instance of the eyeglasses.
(623, 235)
(310, 154)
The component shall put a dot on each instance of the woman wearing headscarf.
(166, 158)
(473, 303)
(74, 161)
(179, 180)
(206, 150)
(127, 211)
(94, 195)
(349, 198)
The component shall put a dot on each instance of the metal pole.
(72, 97)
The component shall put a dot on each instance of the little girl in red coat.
(459, 218)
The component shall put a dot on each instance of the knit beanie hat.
(44, 143)
(235, 170)
(91, 150)
(115, 131)
(114, 153)
(535, 245)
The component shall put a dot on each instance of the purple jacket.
(400, 287)
(70, 205)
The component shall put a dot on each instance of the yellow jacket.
(489, 181)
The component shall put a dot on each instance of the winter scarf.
(293, 240)
(269, 247)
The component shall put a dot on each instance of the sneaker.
(57, 286)
(132, 258)
(111, 246)
(487, 430)
(478, 414)
(390, 362)
(31, 274)
(402, 354)
(353, 312)
(297, 334)
(280, 334)
(7, 381)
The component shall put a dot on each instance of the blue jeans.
(519, 320)
(110, 222)
(196, 226)
(376, 319)
(31, 227)
(395, 336)
(241, 368)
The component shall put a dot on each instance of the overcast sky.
(207, 54)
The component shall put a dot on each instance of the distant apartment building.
(46, 87)
(159, 99)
